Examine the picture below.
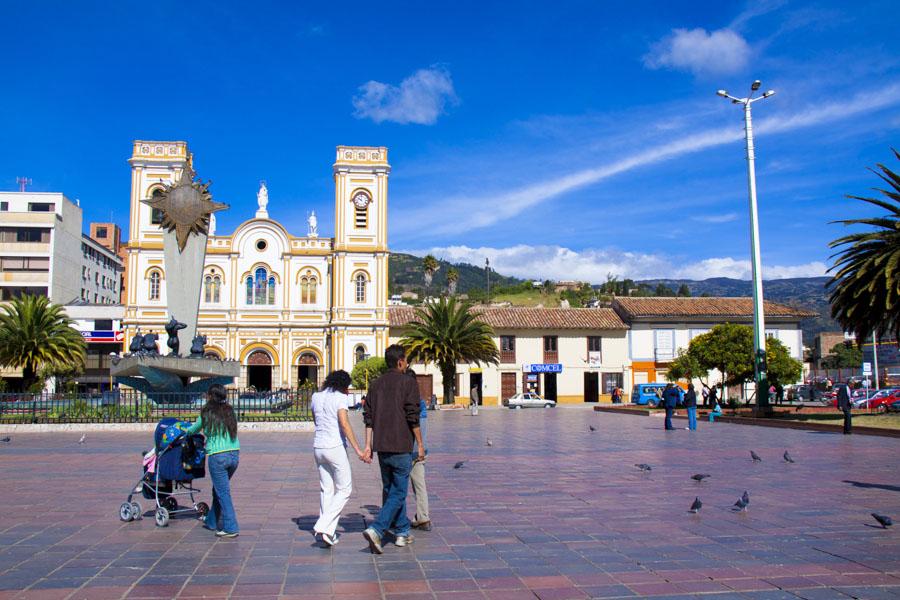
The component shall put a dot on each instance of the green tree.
(684, 291)
(728, 348)
(843, 356)
(446, 333)
(865, 287)
(366, 371)
(663, 290)
(34, 333)
(430, 266)
(452, 280)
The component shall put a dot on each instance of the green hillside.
(406, 275)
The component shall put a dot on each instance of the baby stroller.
(169, 471)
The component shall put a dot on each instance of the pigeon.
(459, 465)
(883, 519)
(592, 428)
(489, 442)
(740, 505)
(745, 498)
(696, 506)
(644, 467)
(787, 457)
(799, 408)
(83, 437)
(755, 456)
(6, 440)
(700, 477)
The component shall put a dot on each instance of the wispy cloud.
(594, 264)
(463, 212)
(726, 218)
(420, 98)
(701, 52)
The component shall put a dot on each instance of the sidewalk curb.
(859, 430)
(301, 426)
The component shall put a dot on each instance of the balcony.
(551, 358)
(508, 357)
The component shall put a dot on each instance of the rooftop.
(529, 318)
(631, 308)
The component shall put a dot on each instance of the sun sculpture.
(186, 206)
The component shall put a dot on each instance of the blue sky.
(560, 139)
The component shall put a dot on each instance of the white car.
(529, 400)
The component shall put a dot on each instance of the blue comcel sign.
(546, 368)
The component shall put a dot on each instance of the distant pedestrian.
(690, 403)
(713, 396)
(219, 423)
(392, 424)
(422, 520)
(843, 402)
(772, 393)
(616, 396)
(474, 397)
(779, 393)
(330, 408)
(670, 400)
(705, 393)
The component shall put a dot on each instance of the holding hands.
(365, 455)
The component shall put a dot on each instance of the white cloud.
(594, 264)
(461, 213)
(726, 218)
(703, 53)
(420, 98)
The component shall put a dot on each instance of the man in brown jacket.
(391, 416)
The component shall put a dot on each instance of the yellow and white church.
(289, 307)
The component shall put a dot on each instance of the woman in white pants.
(333, 431)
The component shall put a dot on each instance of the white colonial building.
(288, 307)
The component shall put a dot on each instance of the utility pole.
(22, 182)
(487, 272)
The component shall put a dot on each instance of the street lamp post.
(759, 323)
(487, 272)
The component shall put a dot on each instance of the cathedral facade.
(289, 307)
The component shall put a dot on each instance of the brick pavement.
(551, 511)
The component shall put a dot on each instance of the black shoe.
(422, 526)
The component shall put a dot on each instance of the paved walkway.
(552, 511)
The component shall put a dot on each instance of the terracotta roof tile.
(631, 308)
(529, 318)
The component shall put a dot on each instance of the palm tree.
(430, 265)
(452, 280)
(446, 333)
(865, 287)
(35, 333)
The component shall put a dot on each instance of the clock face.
(361, 200)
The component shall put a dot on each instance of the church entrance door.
(308, 369)
(259, 371)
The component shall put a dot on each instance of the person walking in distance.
(330, 408)
(670, 400)
(690, 403)
(616, 396)
(713, 396)
(843, 402)
(417, 475)
(391, 415)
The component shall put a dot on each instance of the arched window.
(361, 281)
(211, 286)
(156, 215)
(360, 353)
(260, 287)
(155, 279)
(308, 286)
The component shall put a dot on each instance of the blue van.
(646, 393)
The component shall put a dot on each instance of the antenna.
(22, 182)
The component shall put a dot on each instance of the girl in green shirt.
(219, 423)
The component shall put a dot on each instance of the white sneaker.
(330, 540)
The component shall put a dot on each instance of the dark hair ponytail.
(337, 381)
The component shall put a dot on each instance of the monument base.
(155, 374)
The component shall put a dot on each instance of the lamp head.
(768, 93)
(755, 85)
(722, 93)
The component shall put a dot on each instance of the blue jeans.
(669, 411)
(221, 515)
(395, 468)
(692, 418)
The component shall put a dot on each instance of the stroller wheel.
(171, 503)
(137, 513)
(162, 517)
(126, 512)
(202, 509)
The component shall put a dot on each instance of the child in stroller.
(170, 467)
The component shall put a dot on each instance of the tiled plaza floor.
(552, 511)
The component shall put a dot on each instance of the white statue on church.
(262, 197)
(313, 223)
(212, 224)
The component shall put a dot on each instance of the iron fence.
(132, 406)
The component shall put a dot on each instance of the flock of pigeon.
(744, 501)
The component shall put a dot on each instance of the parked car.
(892, 406)
(528, 400)
(877, 400)
(646, 393)
(801, 393)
